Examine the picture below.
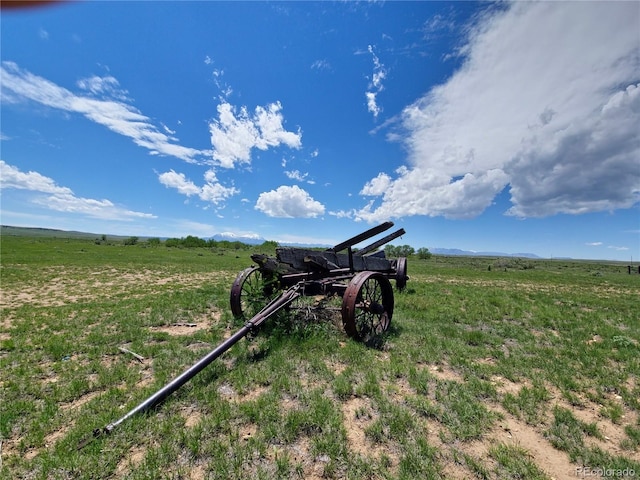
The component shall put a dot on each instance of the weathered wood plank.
(363, 236)
(305, 260)
(379, 243)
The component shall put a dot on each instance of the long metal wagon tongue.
(278, 303)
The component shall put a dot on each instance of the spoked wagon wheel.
(401, 273)
(250, 292)
(367, 306)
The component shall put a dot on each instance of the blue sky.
(484, 127)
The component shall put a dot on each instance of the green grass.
(553, 345)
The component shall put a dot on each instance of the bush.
(173, 242)
(191, 242)
(400, 251)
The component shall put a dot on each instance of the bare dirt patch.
(200, 322)
(179, 329)
(60, 285)
(6, 319)
(445, 372)
(253, 394)
(197, 472)
(336, 367)
(300, 453)
(552, 461)
(130, 461)
(504, 386)
(77, 403)
(191, 416)
(601, 290)
(358, 414)
(248, 431)
(355, 422)
(399, 390)
(228, 392)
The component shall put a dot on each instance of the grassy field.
(493, 369)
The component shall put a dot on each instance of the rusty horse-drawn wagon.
(362, 278)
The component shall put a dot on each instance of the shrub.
(399, 251)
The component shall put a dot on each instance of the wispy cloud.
(546, 103)
(218, 78)
(111, 111)
(51, 196)
(234, 134)
(289, 202)
(103, 86)
(619, 249)
(375, 85)
(436, 25)
(593, 244)
(322, 65)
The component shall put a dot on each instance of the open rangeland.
(492, 369)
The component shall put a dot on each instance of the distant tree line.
(191, 241)
(195, 242)
(394, 251)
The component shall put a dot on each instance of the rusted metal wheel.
(367, 306)
(401, 273)
(250, 292)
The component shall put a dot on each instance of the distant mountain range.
(257, 240)
(232, 237)
(468, 253)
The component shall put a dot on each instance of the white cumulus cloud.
(377, 186)
(289, 202)
(179, 181)
(545, 103)
(234, 134)
(211, 191)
